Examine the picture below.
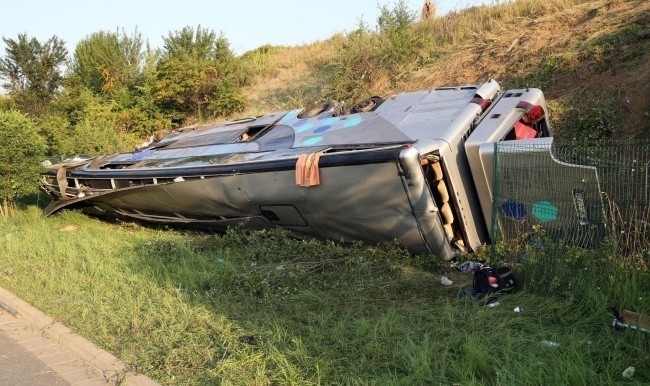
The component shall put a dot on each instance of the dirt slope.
(598, 50)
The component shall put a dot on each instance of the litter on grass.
(444, 280)
(629, 372)
(629, 319)
(548, 343)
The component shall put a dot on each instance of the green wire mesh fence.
(580, 194)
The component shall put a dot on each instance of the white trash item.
(548, 343)
(446, 281)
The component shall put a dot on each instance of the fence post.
(495, 197)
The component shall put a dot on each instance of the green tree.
(93, 127)
(32, 71)
(197, 76)
(401, 45)
(58, 135)
(201, 44)
(395, 19)
(21, 151)
(116, 68)
(106, 62)
(143, 116)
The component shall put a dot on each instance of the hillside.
(264, 308)
(590, 58)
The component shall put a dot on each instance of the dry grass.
(579, 52)
(284, 77)
(509, 41)
(526, 42)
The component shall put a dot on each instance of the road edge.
(114, 370)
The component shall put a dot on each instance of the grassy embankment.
(589, 57)
(184, 308)
(176, 306)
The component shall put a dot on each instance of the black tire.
(366, 105)
(319, 109)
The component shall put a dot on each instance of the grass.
(569, 48)
(261, 308)
(352, 66)
(628, 44)
(184, 308)
(285, 77)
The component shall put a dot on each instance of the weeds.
(545, 73)
(586, 116)
(629, 44)
(369, 62)
(177, 306)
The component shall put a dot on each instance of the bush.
(21, 151)
(7, 103)
(58, 135)
(369, 62)
(97, 126)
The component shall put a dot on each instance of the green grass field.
(261, 308)
(256, 309)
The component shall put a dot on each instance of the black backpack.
(490, 280)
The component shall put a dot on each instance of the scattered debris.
(548, 343)
(492, 304)
(629, 372)
(275, 274)
(248, 339)
(444, 280)
(469, 266)
(490, 280)
(512, 45)
(518, 309)
(630, 319)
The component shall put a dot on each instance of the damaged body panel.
(385, 170)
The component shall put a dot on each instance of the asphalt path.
(21, 368)
(36, 350)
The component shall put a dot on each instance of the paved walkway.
(30, 359)
(20, 367)
(35, 350)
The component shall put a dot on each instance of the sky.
(247, 24)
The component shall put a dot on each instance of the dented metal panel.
(393, 169)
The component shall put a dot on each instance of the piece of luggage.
(490, 280)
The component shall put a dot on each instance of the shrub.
(588, 117)
(58, 135)
(21, 151)
(369, 62)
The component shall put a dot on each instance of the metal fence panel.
(575, 193)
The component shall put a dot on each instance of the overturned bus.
(415, 168)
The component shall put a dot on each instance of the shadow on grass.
(39, 199)
(325, 313)
(318, 312)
